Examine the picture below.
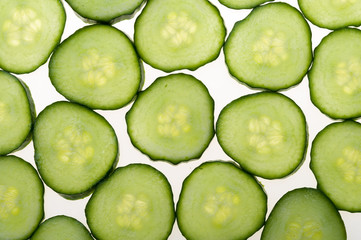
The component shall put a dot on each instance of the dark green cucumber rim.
(89, 105)
(109, 178)
(318, 24)
(171, 161)
(256, 86)
(245, 168)
(250, 6)
(332, 115)
(41, 187)
(191, 68)
(204, 164)
(86, 192)
(55, 44)
(32, 110)
(303, 189)
(314, 171)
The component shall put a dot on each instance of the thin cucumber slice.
(335, 162)
(135, 202)
(61, 228)
(242, 4)
(17, 114)
(335, 76)
(29, 31)
(332, 14)
(220, 201)
(98, 67)
(304, 213)
(21, 199)
(172, 34)
(173, 119)
(105, 11)
(266, 133)
(270, 48)
(74, 148)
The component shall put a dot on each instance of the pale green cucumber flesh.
(135, 202)
(332, 14)
(220, 201)
(101, 11)
(17, 114)
(304, 213)
(21, 198)
(242, 4)
(98, 67)
(335, 76)
(173, 119)
(30, 30)
(270, 48)
(74, 148)
(61, 228)
(266, 133)
(335, 162)
(172, 34)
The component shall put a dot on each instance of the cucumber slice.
(220, 201)
(335, 76)
(21, 199)
(135, 202)
(98, 67)
(332, 14)
(304, 213)
(172, 34)
(242, 4)
(265, 133)
(30, 30)
(335, 162)
(271, 48)
(17, 114)
(61, 228)
(74, 148)
(105, 11)
(173, 119)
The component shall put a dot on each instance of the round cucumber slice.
(335, 162)
(109, 11)
(21, 198)
(242, 4)
(74, 148)
(304, 213)
(332, 14)
(29, 31)
(220, 201)
(265, 133)
(61, 228)
(335, 76)
(97, 67)
(270, 48)
(172, 34)
(135, 202)
(17, 112)
(173, 119)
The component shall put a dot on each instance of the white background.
(223, 88)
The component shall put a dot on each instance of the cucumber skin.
(249, 6)
(260, 87)
(115, 172)
(28, 139)
(314, 171)
(306, 138)
(188, 178)
(115, 107)
(126, 16)
(91, 189)
(202, 63)
(171, 161)
(314, 100)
